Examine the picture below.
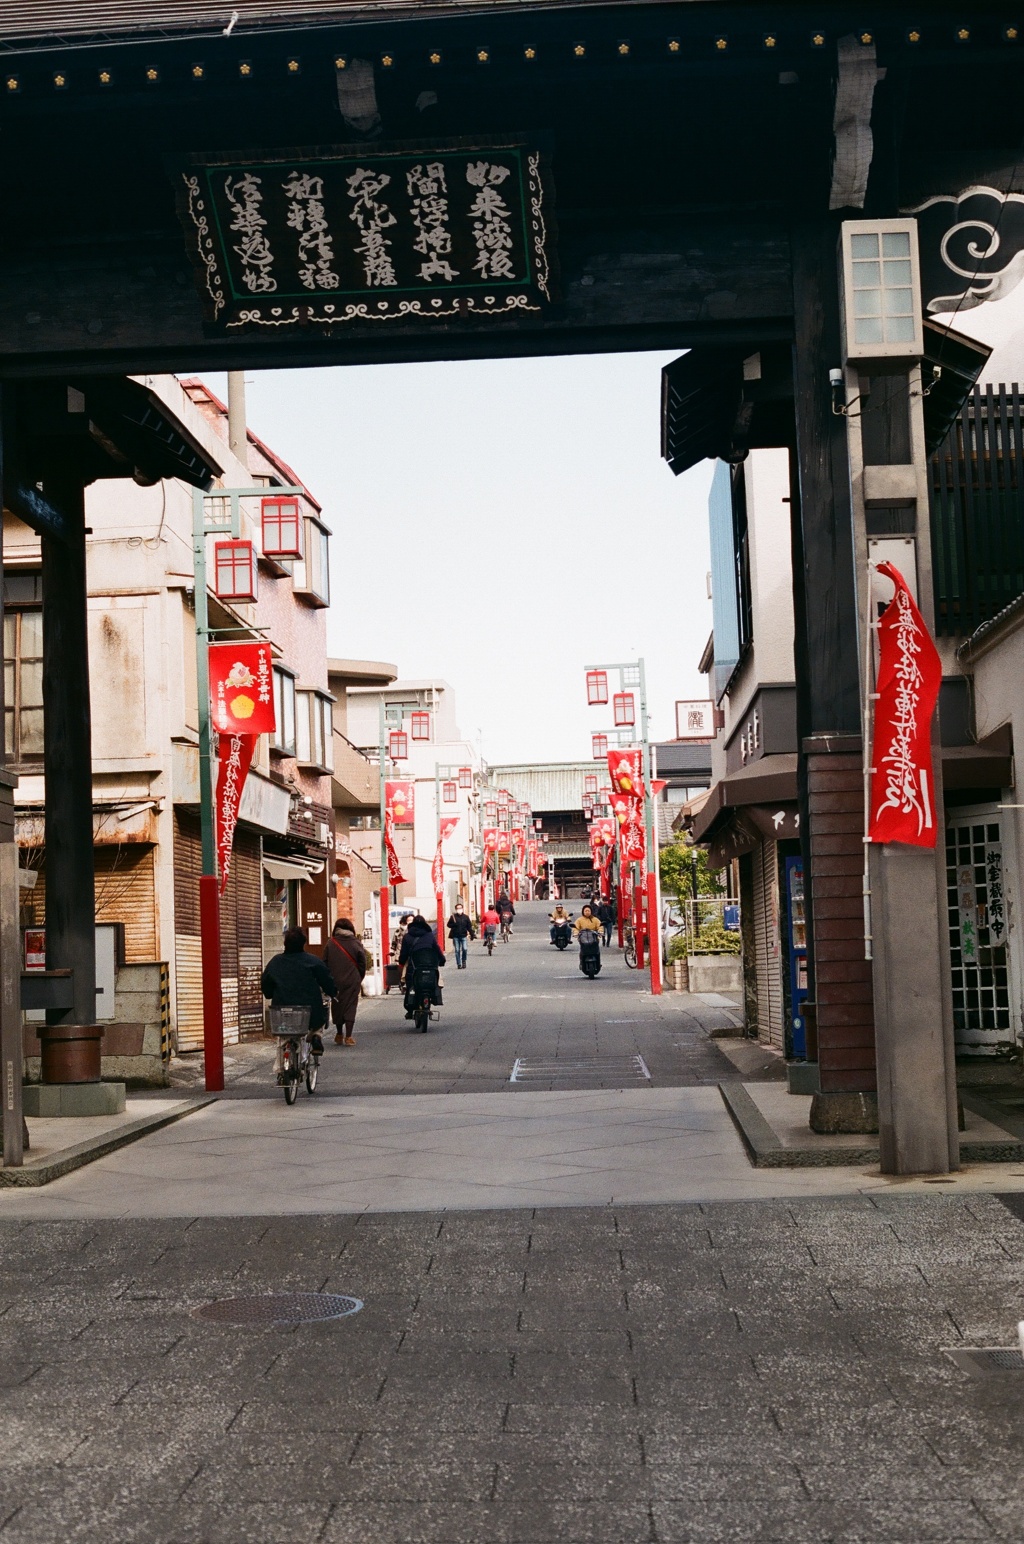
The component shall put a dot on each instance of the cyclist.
(507, 912)
(420, 953)
(296, 979)
(460, 930)
(490, 922)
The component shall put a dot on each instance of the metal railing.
(710, 924)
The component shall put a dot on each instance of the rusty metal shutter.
(249, 930)
(767, 953)
(188, 865)
(126, 893)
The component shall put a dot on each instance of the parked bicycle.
(296, 1060)
(629, 945)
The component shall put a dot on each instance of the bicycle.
(296, 1059)
(506, 929)
(489, 938)
(629, 945)
(424, 986)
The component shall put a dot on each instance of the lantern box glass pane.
(625, 712)
(882, 290)
(450, 792)
(282, 528)
(398, 745)
(465, 777)
(420, 724)
(597, 687)
(590, 782)
(234, 567)
(599, 746)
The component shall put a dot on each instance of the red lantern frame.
(420, 725)
(398, 745)
(465, 777)
(599, 746)
(281, 522)
(597, 688)
(449, 792)
(624, 708)
(590, 783)
(234, 570)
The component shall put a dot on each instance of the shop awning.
(291, 868)
(770, 781)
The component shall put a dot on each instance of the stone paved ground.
(526, 1000)
(761, 1371)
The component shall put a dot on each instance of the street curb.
(70, 1158)
(767, 1152)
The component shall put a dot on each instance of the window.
(313, 731)
(730, 568)
(364, 822)
(284, 711)
(23, 670)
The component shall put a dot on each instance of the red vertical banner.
(902, 805)
(241, 709)
(626, 769)
(395, 875)
(400, 802)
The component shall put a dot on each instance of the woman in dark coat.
(345, 958)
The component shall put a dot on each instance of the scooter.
(590, 954)
(562, 933)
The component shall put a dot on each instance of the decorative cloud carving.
(972, 247)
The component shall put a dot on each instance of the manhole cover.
(980, 1360)
(275, 1308)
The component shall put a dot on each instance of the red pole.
(440, 921)
(655, 938)
(213, 1002)
(619, 909)
(385, 940)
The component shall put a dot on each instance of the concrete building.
(423, 711)
(142, 648)
(355, 792)
(554, 791)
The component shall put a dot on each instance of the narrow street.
(564, 1366)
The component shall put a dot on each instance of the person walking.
(345, 958)
(606, 916)
(399, 937)
(296, 979)
(460, 931)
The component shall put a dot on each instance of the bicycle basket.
(290, 1021)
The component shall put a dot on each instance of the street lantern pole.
(437, 838)
(385, 942)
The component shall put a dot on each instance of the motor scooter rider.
(420, 952)
(586, 923)
(559, 918)
(296, 979)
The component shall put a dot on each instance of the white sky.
(461, 494)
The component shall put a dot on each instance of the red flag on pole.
(395, 875)
(235, 757)
(626, 768)
(902, 807)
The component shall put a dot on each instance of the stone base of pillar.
(51, 1101)
(844, 1111)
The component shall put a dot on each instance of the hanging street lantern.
(398, 745)
(450, 792)
(420, 725)
(491, 811)
(590, 783)
(599, 747)
(625, 710)
(282, 528)
(597, 688)
(465, 777)
(234, 570)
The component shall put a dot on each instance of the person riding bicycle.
(421, 955)
(507, 913)
(559, 918)
(296, 979)
(489, 923)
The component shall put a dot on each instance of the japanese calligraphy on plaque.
(365, 234)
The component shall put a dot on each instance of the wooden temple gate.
(367, 182)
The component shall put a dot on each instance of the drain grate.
(272, 1309)
(606, 1069)
(981, 1359)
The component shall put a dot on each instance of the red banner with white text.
(242, 688)
(400, 802)
(626, 768)
(395, 875)
(235, 757)
(902, 805)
